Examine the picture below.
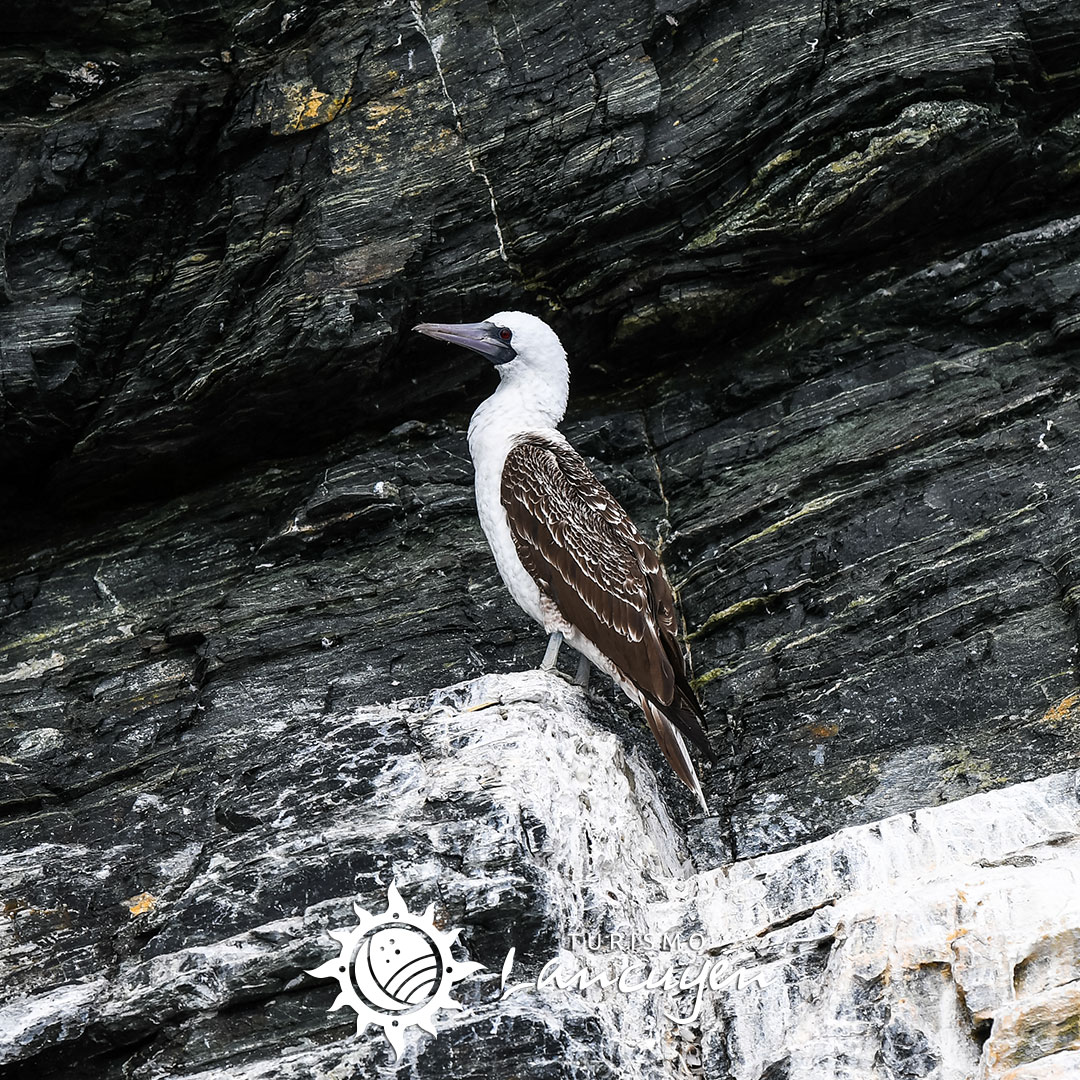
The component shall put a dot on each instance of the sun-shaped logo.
(395, 969)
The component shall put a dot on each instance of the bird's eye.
(505, 334)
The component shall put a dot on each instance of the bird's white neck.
(522, 403)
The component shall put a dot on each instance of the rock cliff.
(817, 266)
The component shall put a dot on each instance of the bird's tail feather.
(686, 715)
(674, 748)
(684, 710)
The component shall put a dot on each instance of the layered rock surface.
(936, 943)
(817, 268)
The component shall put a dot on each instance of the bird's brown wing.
(589, 559)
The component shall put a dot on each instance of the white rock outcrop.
(943, 943)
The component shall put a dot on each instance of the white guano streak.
(435, 45)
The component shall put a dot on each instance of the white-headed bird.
(566, 549)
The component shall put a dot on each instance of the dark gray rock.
(817, 267)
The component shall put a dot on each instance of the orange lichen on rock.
(306, 108)
(1068, 708)
(141, 904)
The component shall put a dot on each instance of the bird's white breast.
(493, 431)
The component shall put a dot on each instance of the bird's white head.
(527, 354)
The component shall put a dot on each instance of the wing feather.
(588, 558)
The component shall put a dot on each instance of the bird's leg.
(552, 653)
(582, 677)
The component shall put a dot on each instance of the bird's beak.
(481, 337)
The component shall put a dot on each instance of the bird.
(566, 550)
